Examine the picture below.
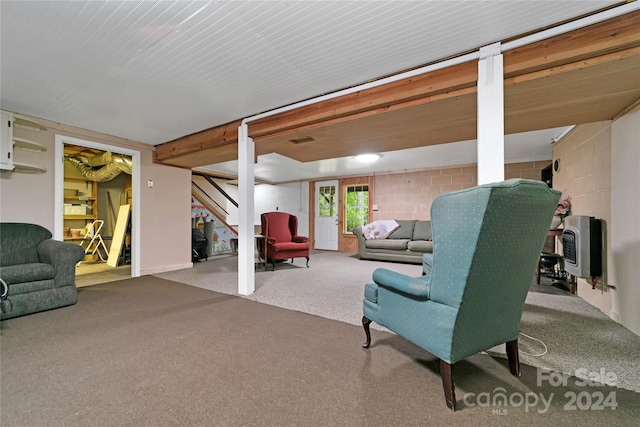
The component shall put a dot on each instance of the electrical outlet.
(375, 207)
(150, 183)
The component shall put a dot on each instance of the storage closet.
(94, 190)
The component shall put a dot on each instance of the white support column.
(246, 232)
(490, 115)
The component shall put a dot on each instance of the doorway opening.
(96, 205)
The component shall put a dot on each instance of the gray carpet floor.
(577, 337)
(154, 352)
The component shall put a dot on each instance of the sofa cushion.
(420, 246)
(289, 246)
(31, 287)
(395, 244)
(422, 230)
(405, 231)
(26, 273)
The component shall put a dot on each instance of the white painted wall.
(625, 220)
(165, 217)
(292, 198)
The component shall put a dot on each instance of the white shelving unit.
(10, 143)
(6, 141)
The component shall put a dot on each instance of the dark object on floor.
(552, 265)
(198, 244)
(464, 304)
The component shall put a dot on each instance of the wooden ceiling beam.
(210, 139)
(378, 98)
(367, 113)
(595, 40)
(580, 48)
(204, 156)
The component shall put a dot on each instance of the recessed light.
(367, 158)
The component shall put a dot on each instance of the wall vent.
(302, 140)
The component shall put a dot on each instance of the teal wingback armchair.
(487, 241)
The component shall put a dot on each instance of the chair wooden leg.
(307, 262)
(513, 357)
(447, 384)
(365, 324)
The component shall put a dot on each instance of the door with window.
(326, 219)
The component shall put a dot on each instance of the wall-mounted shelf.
(27, 145)
(24, 123)
(79, 216)
(27, 168)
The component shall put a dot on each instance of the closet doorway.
(96, 207)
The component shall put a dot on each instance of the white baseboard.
(615, 316)
(165, 268)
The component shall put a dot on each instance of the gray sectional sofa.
(40, 273)
(406, 244)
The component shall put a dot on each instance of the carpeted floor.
(577, 336)
(153, 352)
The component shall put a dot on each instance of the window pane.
(356, 206)
(327, 202)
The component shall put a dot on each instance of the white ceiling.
(153, 71)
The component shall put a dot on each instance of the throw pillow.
(379, 229)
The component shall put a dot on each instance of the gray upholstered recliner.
(40, 272)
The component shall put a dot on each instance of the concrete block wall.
(409, 195)
(584, 175)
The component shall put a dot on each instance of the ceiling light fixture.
(367, 158)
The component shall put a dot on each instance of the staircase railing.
(208, 202)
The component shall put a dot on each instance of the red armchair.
(280, 229)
